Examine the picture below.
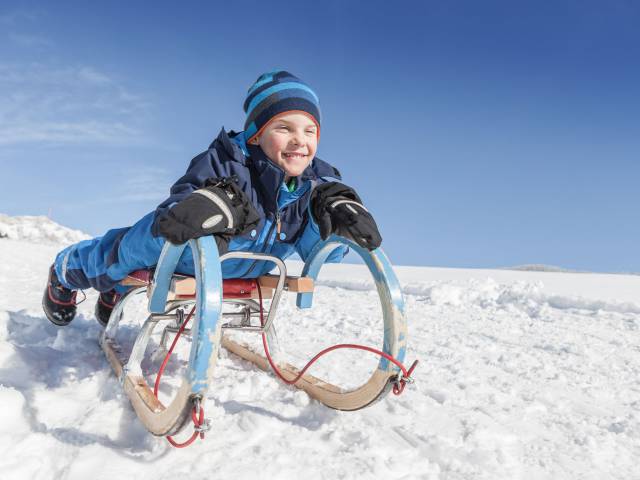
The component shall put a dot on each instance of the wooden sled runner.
(168, 294)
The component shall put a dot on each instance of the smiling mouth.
(293, 155)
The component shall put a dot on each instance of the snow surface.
(523, 375)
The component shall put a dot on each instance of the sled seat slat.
(139, 278)
(184, 287)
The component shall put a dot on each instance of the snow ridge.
(38, 229)
(489, 293)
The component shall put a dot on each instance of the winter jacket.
(263, 182)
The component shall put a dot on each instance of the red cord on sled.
(196, 416)
(398, 386)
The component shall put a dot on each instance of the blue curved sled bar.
(169, 419)
(208, 306)
(395, 328)
(386, 374)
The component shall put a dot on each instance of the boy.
(260, 190)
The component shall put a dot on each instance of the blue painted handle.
(208, 303)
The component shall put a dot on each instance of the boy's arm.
(310, 238)
(218, 208)
(202, 167)
(338, 209)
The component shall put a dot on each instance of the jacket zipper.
(266, 243)
(268, 237)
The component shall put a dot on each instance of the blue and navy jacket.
(263, 183)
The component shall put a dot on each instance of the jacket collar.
(230, 145)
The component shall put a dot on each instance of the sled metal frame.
(159, 419)
(394, 341)
(207, 331)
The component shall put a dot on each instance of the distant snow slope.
(523, 375)
(38, 230)
(537, 267)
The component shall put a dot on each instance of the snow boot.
(104, 306)
(58, 302)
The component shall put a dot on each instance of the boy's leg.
(99, 263)
(102, 262)
(84, 264)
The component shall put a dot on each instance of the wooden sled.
(168, 293)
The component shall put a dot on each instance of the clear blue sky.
(480, 134)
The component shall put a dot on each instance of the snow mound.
(38, 229)
(528, 296)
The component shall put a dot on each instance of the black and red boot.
(58, 302)
(104, 306)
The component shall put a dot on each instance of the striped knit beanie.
(274, 93)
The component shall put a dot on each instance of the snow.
(38, 229)
(523, 375)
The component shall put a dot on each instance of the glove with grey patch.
(337, 208)
(220, 208)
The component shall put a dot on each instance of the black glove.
(218, 208)
(338, 209)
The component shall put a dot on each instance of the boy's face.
(290, 140)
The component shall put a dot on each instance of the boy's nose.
(297, 138)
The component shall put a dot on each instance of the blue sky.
(480, 134)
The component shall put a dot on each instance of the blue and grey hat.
(274, 93)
